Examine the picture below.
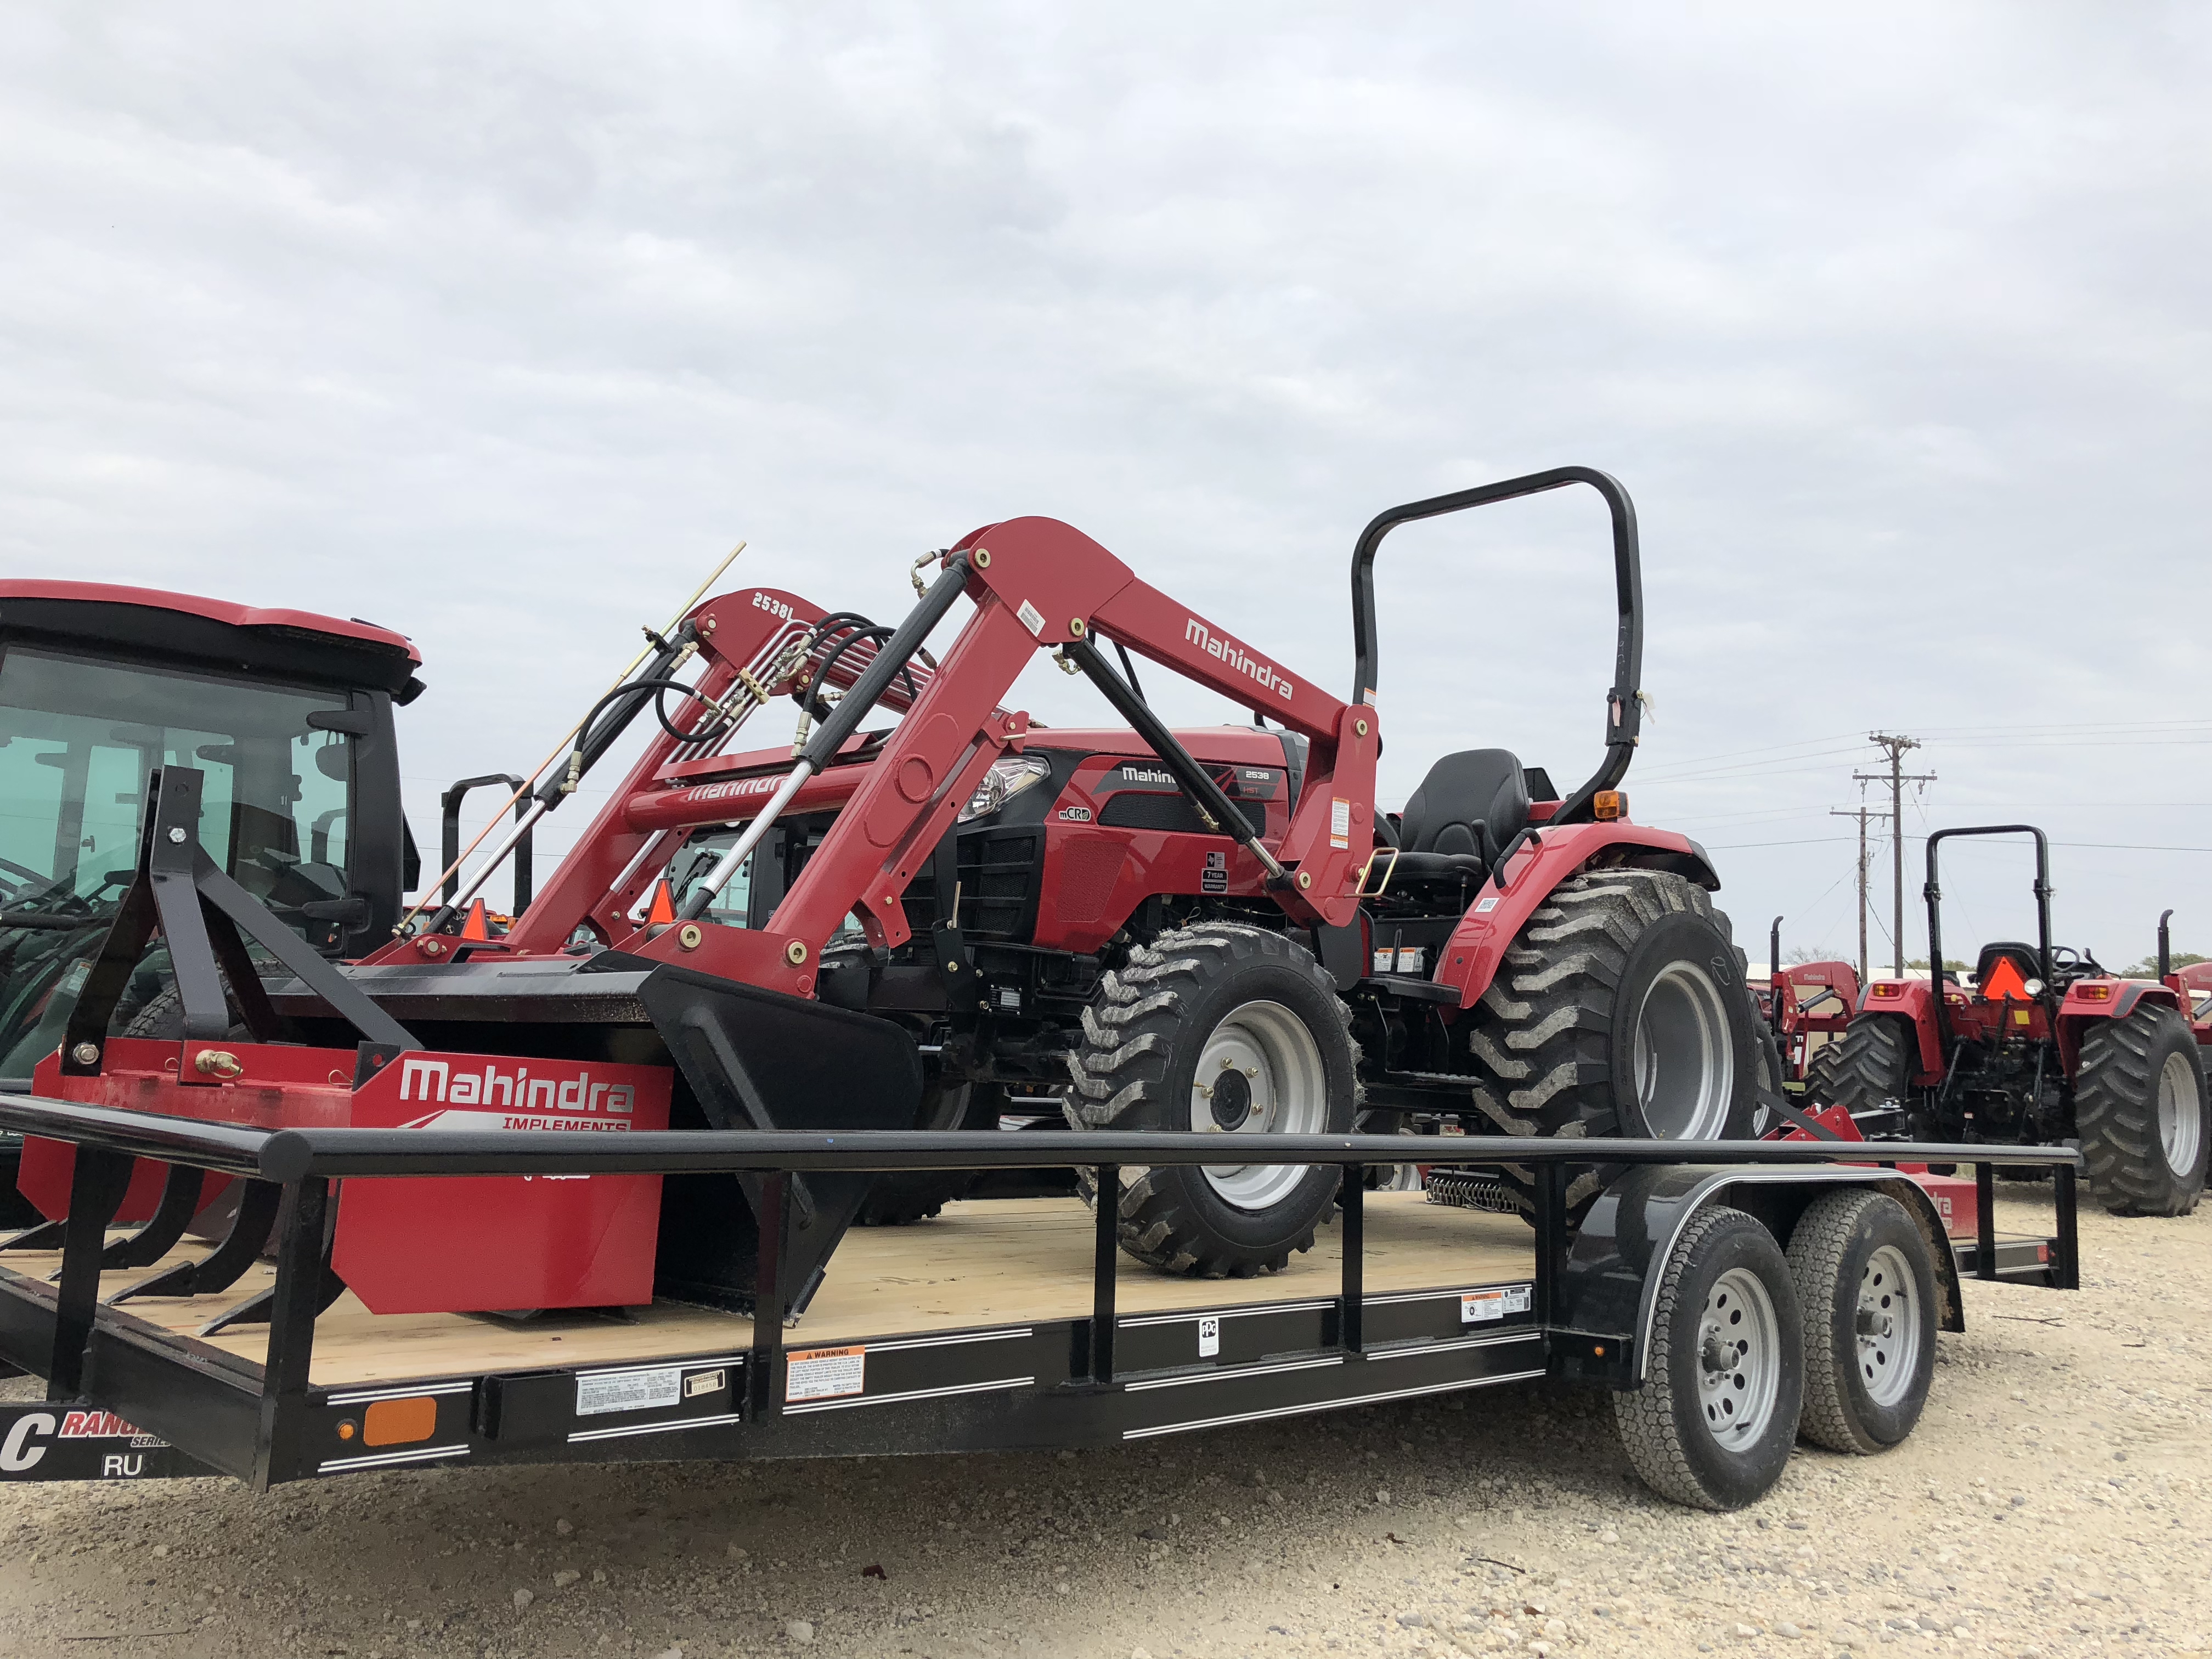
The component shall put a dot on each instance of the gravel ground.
(2056, 1500)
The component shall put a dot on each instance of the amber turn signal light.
(1608, 804)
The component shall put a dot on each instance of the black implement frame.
(1094, 1377)
(1624, 713)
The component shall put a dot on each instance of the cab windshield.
(78, 735)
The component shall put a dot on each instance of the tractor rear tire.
(1867, 1291)
(1873, 1065)
(1216, 1028)
(1618, 1010)
(2139, 1108)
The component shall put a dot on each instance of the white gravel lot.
(2057, 1500)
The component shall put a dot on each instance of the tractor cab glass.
(78, 736)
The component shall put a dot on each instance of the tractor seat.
(2023, 958)
(1466, 809)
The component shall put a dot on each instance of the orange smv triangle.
(478, 926)
(2004, 980)
(664, 905)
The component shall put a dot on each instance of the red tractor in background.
(1807, 1006)
(2048, 1047)
(1212, 931)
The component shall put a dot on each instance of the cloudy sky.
(501, 325)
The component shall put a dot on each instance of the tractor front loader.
(1212, 931)
(2049, 1048)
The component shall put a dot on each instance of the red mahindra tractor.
(288, 716)
(2048, 1047)
(1807, 1006)
(1212, 930)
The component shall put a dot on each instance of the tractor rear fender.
(1609, 1289)
(1549, 857)
(1912, 1001)
(2083, 1006)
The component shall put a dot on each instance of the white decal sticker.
(628, 1391)
(1517, 1297)
(1484, 906)
(1339, 822)
(701, 1382)
(1476, 1306)
(1209, 1337)
(1032, 618)
(826, 1373)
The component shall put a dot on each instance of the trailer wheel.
(1219, 1029)
(2139, 1108)
(1618, 1011)
(1867, 1291)
(1713, 1424)
(1873, 1065)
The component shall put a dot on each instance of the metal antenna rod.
(560, 749)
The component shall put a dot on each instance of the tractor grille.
(998, 886)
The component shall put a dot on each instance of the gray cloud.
(500, 325)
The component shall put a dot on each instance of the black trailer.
(1732, 1295)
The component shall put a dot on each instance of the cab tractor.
(2047, 1047)
(287, 715)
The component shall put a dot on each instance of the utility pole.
(1861, 813)
(1896, 778)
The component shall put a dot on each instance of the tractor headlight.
(1006, 779)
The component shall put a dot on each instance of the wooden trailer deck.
(1000, 1262)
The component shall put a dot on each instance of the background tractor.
(2048, 1047)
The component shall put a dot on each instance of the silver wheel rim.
(2180, 1113)
(1685, 1057)
(1262, 1056)
(1889, 1325)
(1738, 1359)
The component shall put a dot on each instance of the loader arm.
(746, 634)
(1035, 584)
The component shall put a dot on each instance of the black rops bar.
(1933, 892)
(1623, 714)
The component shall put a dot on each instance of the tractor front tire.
(2139, 1108)
(1618, 1010)
(1873, 1065)
(900, 1200)
(1219, 1029)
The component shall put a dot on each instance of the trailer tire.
(1247, 1005)
(1867, 1292)
(2139, 1107)
(1725, 1330)
(1873, 1064)
(1551, 1055)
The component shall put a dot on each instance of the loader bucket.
(760, 1060)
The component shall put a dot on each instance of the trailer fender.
(1608, 1288)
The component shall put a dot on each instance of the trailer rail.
(1493, 1301)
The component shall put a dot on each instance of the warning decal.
(1477, 1307)
(628, 1391)
(1339, 822)
(826, 1373)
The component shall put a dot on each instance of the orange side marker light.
(399, 1422)
(1608, 804)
